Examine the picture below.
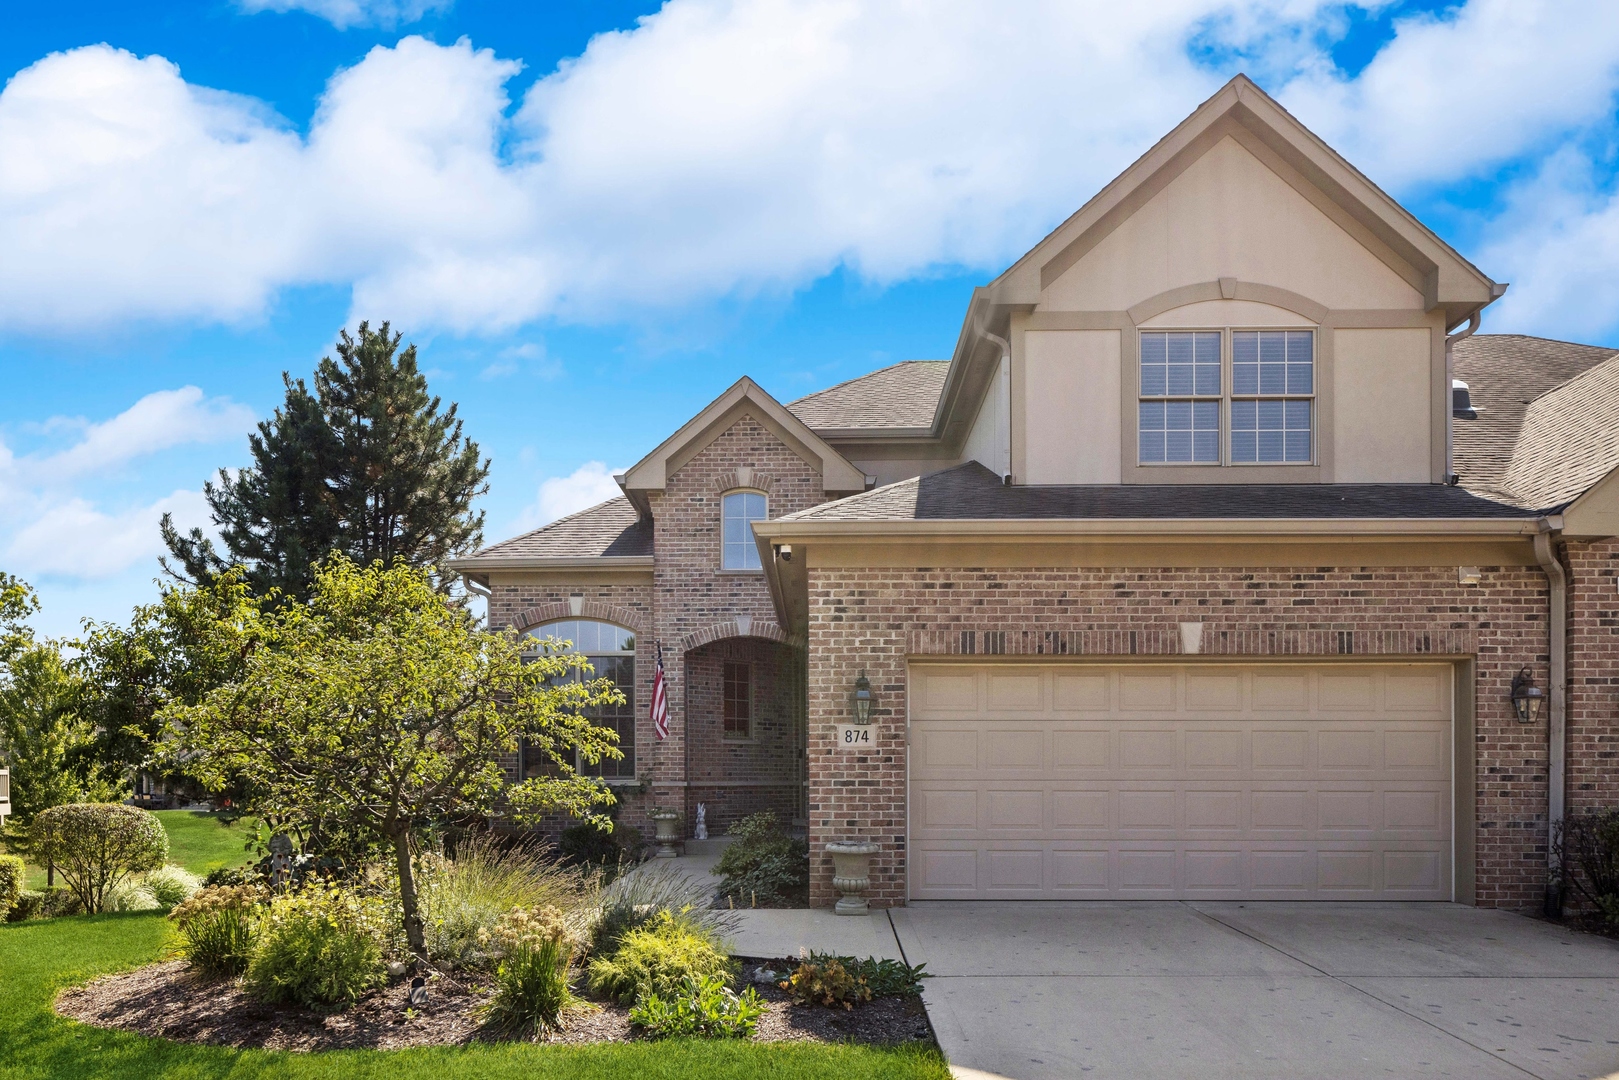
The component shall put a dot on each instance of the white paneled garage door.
(1213, 781)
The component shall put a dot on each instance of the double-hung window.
(611, 652)
(1193, 411)
(1179, 411)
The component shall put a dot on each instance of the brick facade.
(873, 619)
(702, 614)
(1593, 675)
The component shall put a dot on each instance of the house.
(1189, 575)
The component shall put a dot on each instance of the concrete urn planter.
(666, 830)
(851, 874)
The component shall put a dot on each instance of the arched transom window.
(739, 510)
(611, 652)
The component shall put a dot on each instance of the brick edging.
(529, 618)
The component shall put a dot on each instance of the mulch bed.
(170, 1001)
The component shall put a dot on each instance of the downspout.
(1450, 393)
(1004, 414)
(1557, 736)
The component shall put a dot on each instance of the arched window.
(611, 652)
(738, 510)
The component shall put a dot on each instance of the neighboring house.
(1158, 582)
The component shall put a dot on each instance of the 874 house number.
(854, 737)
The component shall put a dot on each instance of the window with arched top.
(611, 652)
(738, 511)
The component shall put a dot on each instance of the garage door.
(1273, 782)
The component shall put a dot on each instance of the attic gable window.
(738, 510)
(1272, 387)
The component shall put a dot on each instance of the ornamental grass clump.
(463, 898)
(322, 945)
(658, 958)
(95, 846)
(531, 977)
(171, 886)
(218, 928)
(703, 1007)
(637, 897)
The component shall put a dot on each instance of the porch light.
(862, 700)
(1526, 697)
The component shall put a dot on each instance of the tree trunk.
(407, 894)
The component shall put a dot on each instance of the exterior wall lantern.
(1526, 697)
(862, 700)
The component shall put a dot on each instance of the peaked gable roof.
(745, 397)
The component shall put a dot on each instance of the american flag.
(660, 700)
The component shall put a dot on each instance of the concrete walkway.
(1212, 991)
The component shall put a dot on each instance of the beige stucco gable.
(1230, 215)
(744, 398)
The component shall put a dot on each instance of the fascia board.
(1595, 513)
(485, 563)
(1263, 530)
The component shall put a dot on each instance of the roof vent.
(1461, 401)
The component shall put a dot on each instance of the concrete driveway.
(1210, 991)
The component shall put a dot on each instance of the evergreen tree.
(367, 465)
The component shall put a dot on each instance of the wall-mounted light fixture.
(1526, 697)
(861, 700)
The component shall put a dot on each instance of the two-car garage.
(1274, 781)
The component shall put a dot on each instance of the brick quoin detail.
(875, 619)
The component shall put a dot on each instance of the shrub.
(1589, 845)
(319, 946)
(171, 886)
(218, 927)
(705, 1007)
(763, 865)
(233, 875)
(531, 979)
(129, 894)
(826, 982)
(11, 878)
(462, 899)
(636, 898)
(96, 845)
(589, 844)
(886, 978)
(656, 958)
(45, 904)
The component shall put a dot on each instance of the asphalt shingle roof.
(1505, 372)
(607, 530)
(972, 492)
(1569, 439)
(904, 395)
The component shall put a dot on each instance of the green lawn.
(38, 958)
(198, 841)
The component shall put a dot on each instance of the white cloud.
(156, 422)
(716, 149)
(76, 540)
(589, 484)
(346, 13)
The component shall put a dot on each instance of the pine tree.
(367, 465)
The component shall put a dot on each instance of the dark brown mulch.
(170, 1001)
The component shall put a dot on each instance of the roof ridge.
(1567, 383)
(857, 378)
(1537, 337)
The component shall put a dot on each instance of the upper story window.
(738, 510)
(611, 652)
(1265, 407)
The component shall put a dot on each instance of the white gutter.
(787, 529)
(1557, 725)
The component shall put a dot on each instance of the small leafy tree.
(50, 748)
(17, 602)
(378, 704)
(98, 845)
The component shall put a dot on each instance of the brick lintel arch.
(529, 618)
(744, 626)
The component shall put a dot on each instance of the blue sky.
(592, 217)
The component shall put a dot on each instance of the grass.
(38, 958)
(198, 841)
